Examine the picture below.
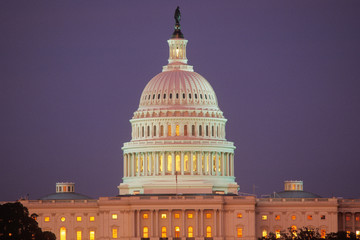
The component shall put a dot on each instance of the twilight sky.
(286, 74)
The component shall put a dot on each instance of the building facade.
(179, 177)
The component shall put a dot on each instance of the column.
(217, 164)
(190, 155)
(215, 223)
(156, 223)
(170, 224)
(173, 163)
(163, 163)
(221, 223)
(206, 155)
(232, 164)
(182, 162)
(199, 156)
(201, 222)
(353, 222)
(125, 165)
(197, 223)
(156, 166)
(183, 225)
(132, 226)
(152, 227)
(138, 224)
(145, 166)
(138, 168)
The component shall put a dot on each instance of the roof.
(294, 194)
(65, 196)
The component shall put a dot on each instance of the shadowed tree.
(16, 224)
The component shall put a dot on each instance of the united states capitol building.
(178, 179)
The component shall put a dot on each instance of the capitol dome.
(178, 142)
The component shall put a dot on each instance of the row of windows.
(293, 217)
(63, 219)
(176, 215)
(348, 218)
(178, 96)
(206, 131)
(79, 234)
(190, 232)
(65, 189)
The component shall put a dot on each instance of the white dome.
(178, 89)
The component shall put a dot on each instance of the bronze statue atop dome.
(177, 33)
(177, 15)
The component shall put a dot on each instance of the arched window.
(114, 233)
(92, 235)
(161, 130)
(208, 231)
(163, 232)
(154, 131)
(148, 131)
(239, 232)
(143, 131)
(169, 130)
(212, 130)
(169, 163)
(177, 163)
(264, 233)
(62, 233)
(200, 130)
(145, 232)
(185, 130)
(78, 235)
(190, 232)
(177, 232)
(193, 130)
(141, 163)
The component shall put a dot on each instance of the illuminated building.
(179, 177)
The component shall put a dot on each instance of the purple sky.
(286, 74)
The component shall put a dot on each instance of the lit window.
(294, 230)
(177, 232)
(169, 130)
(169, 163)
(145, 232)
(357, 233)
(322, 217)
(277, 217)
(208, 215)
(264, 233)
(176, 215)
(293, 217)
(239, 232)
(177, 130)
(264, 217)
(190, 232)
(78, 219)
(92, 235)
(357, 218)
(163, 215)
(114, 233)
(239, 215)
(47, 219)
(63, 233)
(208, 231)
(309, 217)
(323, 233)
(177, 163)
(78, 235)
(145, 216)
(163, 232)
(114, 216)
(185, 130)
(277, 233)
(348, 234)
(62, 219)
(347, 218)
(92, 219)
(190, 215)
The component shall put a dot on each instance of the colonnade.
(350, 221)
(157, 163)
(164, 129)
(177, 223)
